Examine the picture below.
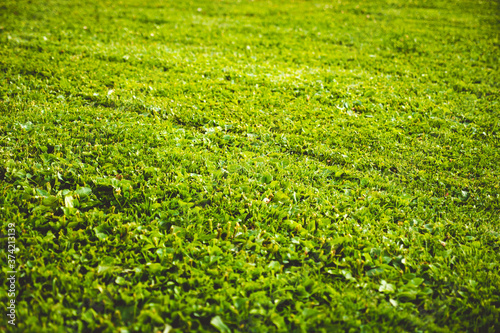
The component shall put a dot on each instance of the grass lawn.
(250, 166)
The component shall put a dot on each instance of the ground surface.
(251, 166)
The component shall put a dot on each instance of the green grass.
(251, 166)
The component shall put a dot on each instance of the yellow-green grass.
(251, 166)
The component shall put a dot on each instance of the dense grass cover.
(251, 166)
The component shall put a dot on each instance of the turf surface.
(250, 166)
